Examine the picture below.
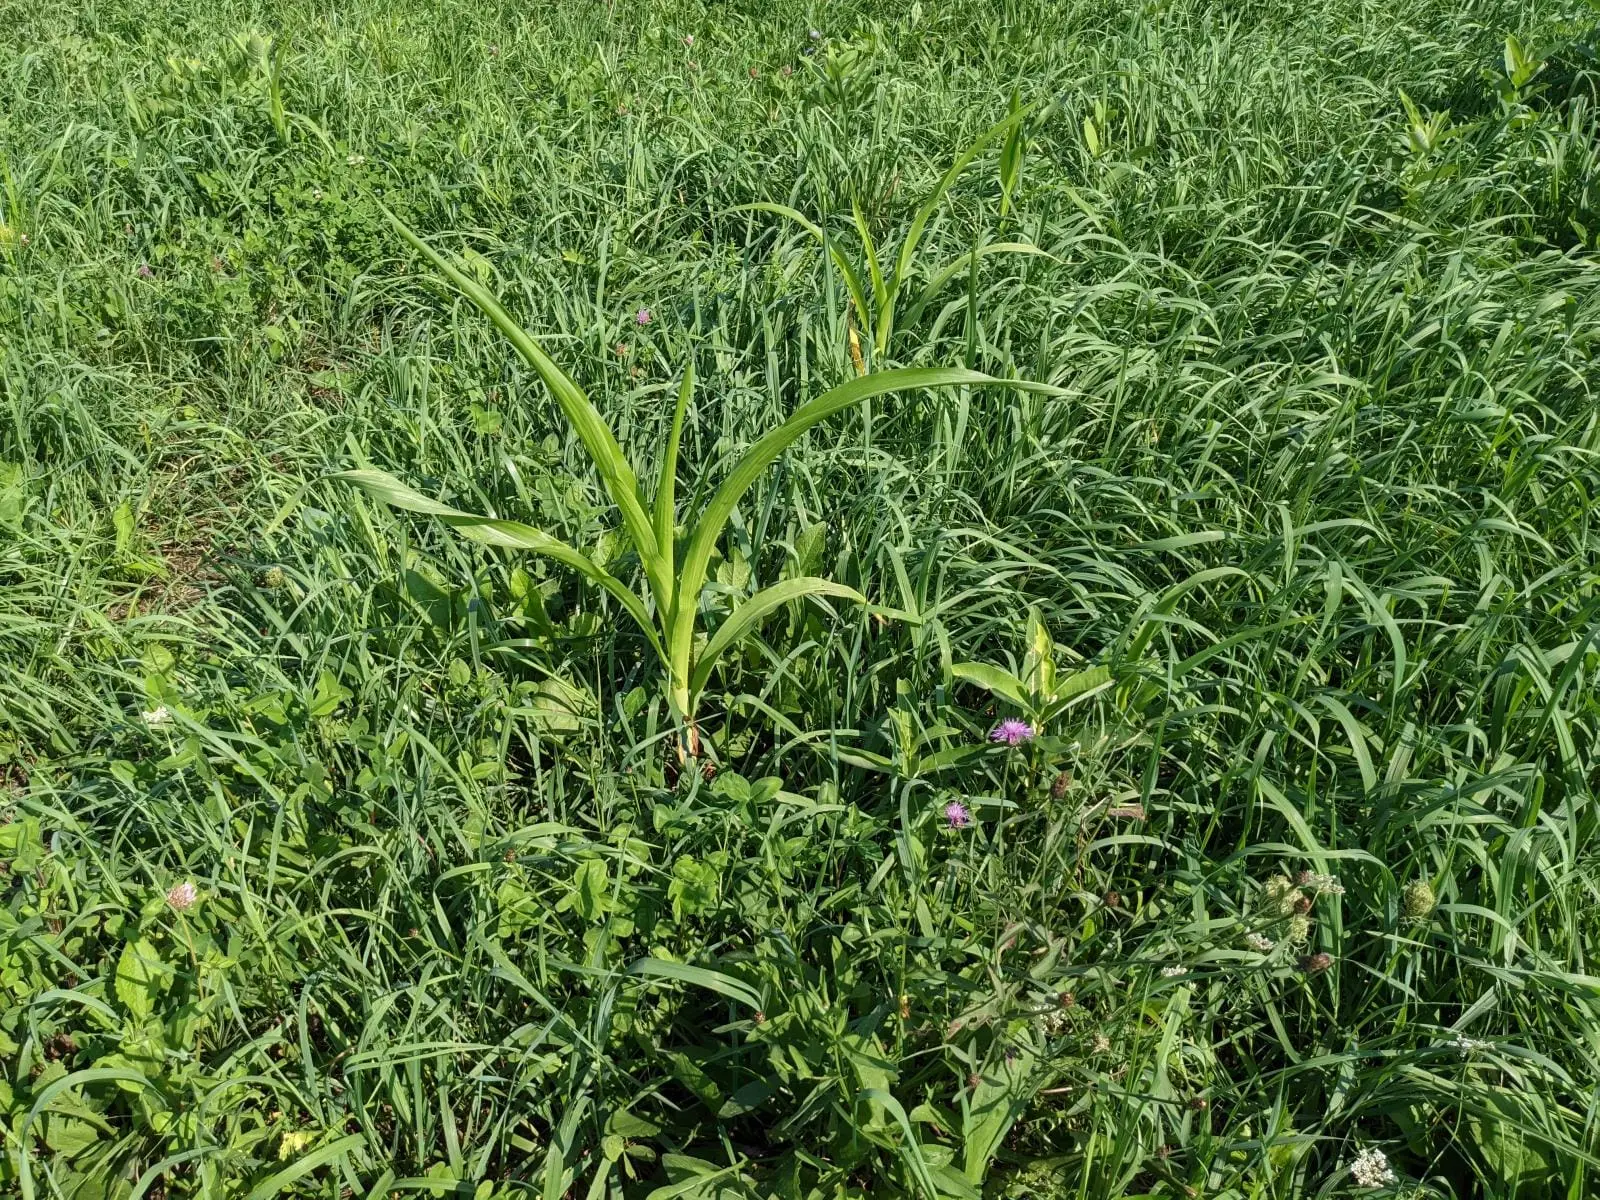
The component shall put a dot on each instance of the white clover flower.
(156, 716)
(183, 896)
(1371, 1169)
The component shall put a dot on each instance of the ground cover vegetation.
(662, 599)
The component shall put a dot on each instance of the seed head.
(144, 271)
(1315, 964)
(1279, 896)
(1112, 899)
(1059, 786)
(1011, 732)
(1417, 900)
(182, 897)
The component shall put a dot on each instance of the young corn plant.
(877, 311)
(668, 610)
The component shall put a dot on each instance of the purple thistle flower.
(957, 814)
(642, 316)
(1011, 732)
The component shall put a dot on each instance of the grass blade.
(509, 535)
(620, 482)
(744, 618)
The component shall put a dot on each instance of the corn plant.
(878, 311)
(667, 612)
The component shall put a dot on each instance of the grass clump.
(1204, 803)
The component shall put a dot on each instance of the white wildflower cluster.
(1259, 942)
(1173, 972)
(1321, 884)
(156, 716)
(1371, 1169)
(1465, 1045)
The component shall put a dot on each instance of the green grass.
(1310, 500)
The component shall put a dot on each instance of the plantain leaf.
(1002, 1095)
(140, 971)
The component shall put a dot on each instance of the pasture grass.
(1310, 871)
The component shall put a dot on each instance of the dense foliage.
(1202, 802)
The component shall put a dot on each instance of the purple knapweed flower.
(144, 271)
(957, 815)
(642, 317)
(1011, 732)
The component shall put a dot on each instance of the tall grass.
(1301, 860)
